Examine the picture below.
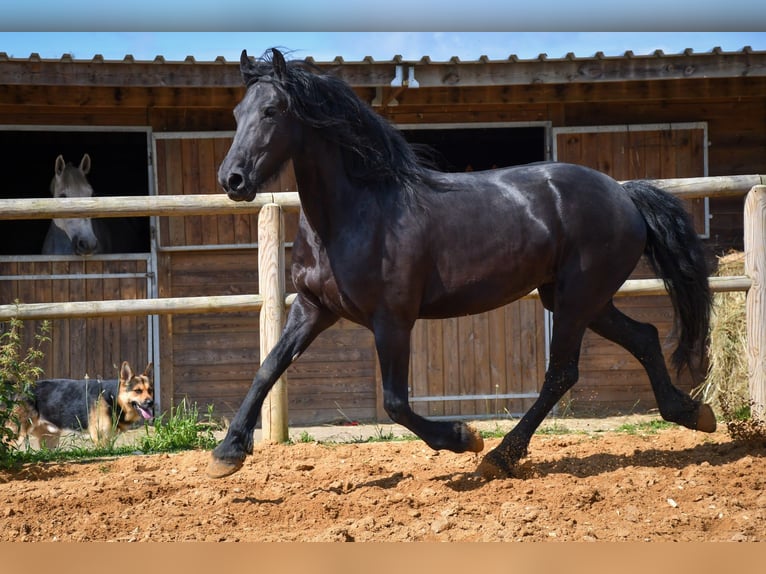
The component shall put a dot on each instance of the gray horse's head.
(70, 181)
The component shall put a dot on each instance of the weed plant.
(19, 372)
(182, 431)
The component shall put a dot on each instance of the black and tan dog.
(102, 407)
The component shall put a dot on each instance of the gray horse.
(70, 235)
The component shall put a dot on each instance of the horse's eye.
(270, 112)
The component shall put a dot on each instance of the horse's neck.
(326, 193)
(56, 241)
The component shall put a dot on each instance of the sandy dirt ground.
(594, 484)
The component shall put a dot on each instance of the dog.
(102, 407)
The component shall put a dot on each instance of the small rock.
(440, 525)
(531, 516)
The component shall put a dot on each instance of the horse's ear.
(60, 165)
(85, 164)
(278, 61)
(246, 67)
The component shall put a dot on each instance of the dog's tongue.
(144, 413)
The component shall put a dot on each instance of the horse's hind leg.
(304, 322)
(642, 341)
(393, 346)
(562, 374)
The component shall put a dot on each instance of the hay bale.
(726, 385)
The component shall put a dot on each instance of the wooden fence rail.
(133, 206)
(141, 206)
(254, 302)
(219, 204)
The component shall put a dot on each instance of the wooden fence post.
(271, 284)
(755, 268)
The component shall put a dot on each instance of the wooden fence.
(272, 300)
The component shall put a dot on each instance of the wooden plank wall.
(494, 353)
(212, 358)
(609, 375)
(735, 130)
(189, 166)
(203, 357)
(79, 347)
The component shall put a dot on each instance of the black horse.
(384, 240)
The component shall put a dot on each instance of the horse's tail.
(676, 254)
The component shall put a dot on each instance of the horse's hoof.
(490, 468)
(218, 468)
(705, 419)
(475, 442)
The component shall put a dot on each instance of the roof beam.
(369, 73)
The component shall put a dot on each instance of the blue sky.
(353, 46)
(347, 15)
(353, 29)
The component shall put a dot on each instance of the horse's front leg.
(304, 322)
(393, 346)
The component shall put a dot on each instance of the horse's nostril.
(84, 246)
(235, 182)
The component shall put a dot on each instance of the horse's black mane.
(377, 153)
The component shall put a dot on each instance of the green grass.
(64, 454)
(555, 428)
(182, 431)
(560, 428)
(381, 435)
(649, 427)
(305, 438)
(497, 432)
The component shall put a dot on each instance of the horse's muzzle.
(241, 196)
(236, 186)
(84, 245)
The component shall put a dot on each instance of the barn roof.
(97, 71)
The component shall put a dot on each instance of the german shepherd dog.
(102, 407)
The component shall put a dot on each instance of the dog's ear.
(126, 373)
(149, 371)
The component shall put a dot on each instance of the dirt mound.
(675, 484)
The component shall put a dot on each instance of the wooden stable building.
(159, 127)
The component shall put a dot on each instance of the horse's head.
(70, 181)
(266, 130)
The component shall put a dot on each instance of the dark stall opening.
(457, 149)
(119, 166)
